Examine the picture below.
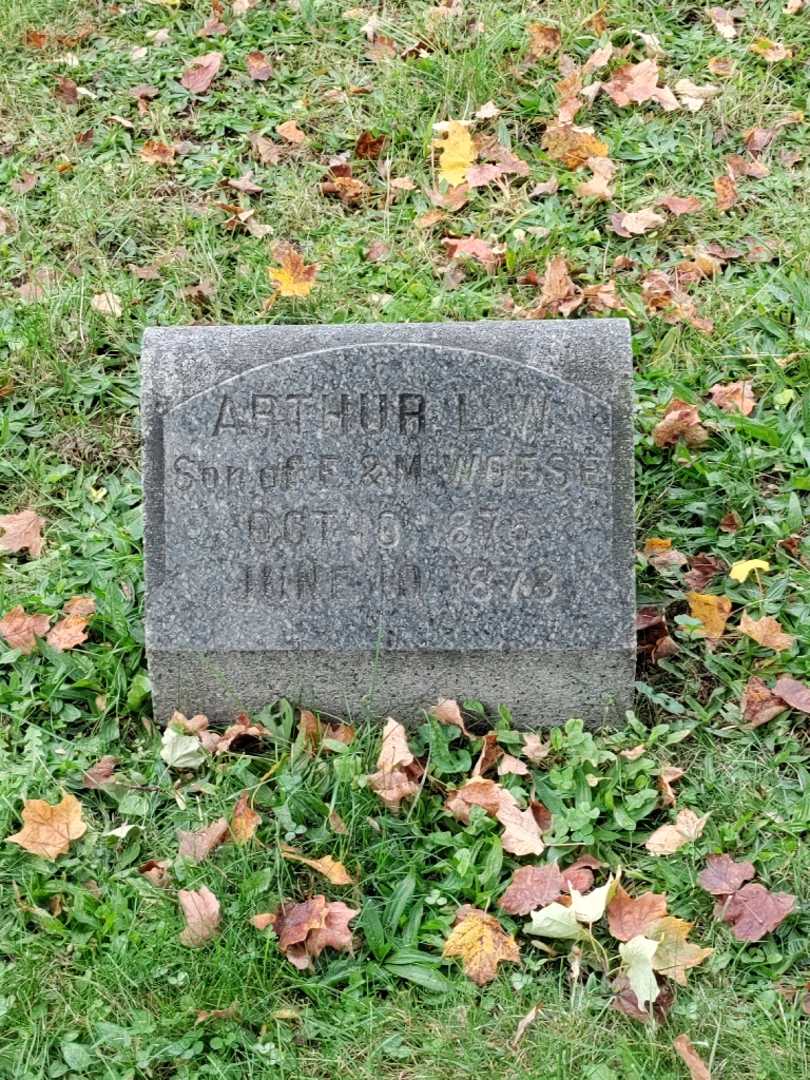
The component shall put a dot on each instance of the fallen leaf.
(548, 187)
(107, 303)
(670, 838)
(723, 876)
(482, 943)
(759, 704)
(698, 1070)
(772, 51)
(675, 955)
(558, 295)
(793, 693)
(448, 711)
(739, 166)
(556, 921)
(625, 1001)
(637, 956)
(268, 152)
(723, 21)
(471, 247)
(263, 920)
(602, 297)
(391, 781)
(487, 111)
(635, 224)
(681, 421)
(635, 84)
(334, 872)
(524, 1023)
(725, 191)
(572, 145)
(68, 632)
(244, 820)
(25, 182)
(216, 1014)
(394, 751)
(201, 911)
(734, 397)
(660, 553)
(753, 911)
(199, 844)
(474, 792)
(21, 630)
(234, 734)
(245, 183)
(598, 187)
(666, 298)
(694, 97)
(290, 131)
(8, 223)
(156, 871)
(293, 277)
(666, 778)
(21, 532)
(80, 605)
(590, 908)
(543, 40)
(49, 829)
(532, 887)
(66, 90)
(767, 632)
(521, 833)
(703, 569)
(304, 930)
(489, 755)
(368, 146)
(201, 72)
(598, 58)
(100, 774)
(456, 153)
(156, 152)
(181, 751)
(680, 204)
(258, 66)
(508, 765)
(534, 748)
(712, 611)
(722, 67)
(630, 916)
(579, 874)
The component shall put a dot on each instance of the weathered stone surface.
(366, 518)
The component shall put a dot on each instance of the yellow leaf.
(48, 830)
(674, 953)
(245, 820)
(766, 632)
(572, 145)
(713, 612)
(456, 153)
(293, 277)
(740, 570)
(333, 871)
(482, 943)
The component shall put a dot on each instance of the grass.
(94, 981)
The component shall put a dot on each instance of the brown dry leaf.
(156, 152)
(558, 295)
(25, 182)
(681, 421)
(216, 1014)
(334, 872)
(543, 40)
(201, 72)
(368, 146)
(635, 224)
(107, 303)
(8, 223)
(304, 930)
(767, 632)
(598, 58)
(509, 765)
(534, 748)
(602, 297)
(723, 21)
(453, 199)
(662, 296)
(457, 152)
(635, 84)
(666, 778)
(244, 820)
(579, 874)
(268, 152)
(629, 916)
(670, 838)
(346, 187)
(757, 139)
(793, 693)
(199, 844)
(448, 711)
(213, 26)
(722, 67)
(394, 751)
(337, 824)
(725, 191)
(759, 704)
(660, 553)
(156, 871)
(80, 605)
(392, 787)
(722, 876)
(49, 829)
(21, 630)
(290, 131)
(22, 532)
(524, 1023)
(753, 911)
(739, 166)
(201, 911)
(100, 774)
(335, 933)
(703, 569)
(245, 183)
(698, 1070)
(490, 752)
(713, 612)
(680, 204)
(634, 753)
(293, 277)
(572, 145)
(258, 66)
(471, 247)
(532, 887)
(68, 632)
(66, 90)
(772, 51)
(521, 831)
(625, 1001)
(598, 187)
(482, 943)
(474, 792)
(548, 187)
(242, 728)
(263, 920)
(391, 781)
(694, 97)
(675, 955)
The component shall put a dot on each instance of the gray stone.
(367, 518)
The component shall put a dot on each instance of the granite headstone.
(369, 518)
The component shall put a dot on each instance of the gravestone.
(369, 518)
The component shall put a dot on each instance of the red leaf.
(201, 72)
(629, 916)
(723, 876)
(794, 693)
(753, 911)
(532, 887)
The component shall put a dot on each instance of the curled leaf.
(201, 911)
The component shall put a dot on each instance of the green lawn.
(93, 979)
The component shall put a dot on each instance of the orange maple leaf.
(293, 277)
(48, 829)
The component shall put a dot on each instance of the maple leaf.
(543, 40)
(22, 532)
(558, 295)
(666, 778)
(598, 187)
(629, 916)
(474, 792)
(572, 145)
(703, 569)
(181, 751)
(739, 166)
(556, 921)
(534, 748)
(391, 781)
(448, 711)
(48, 829)
(471, 247)
(634, 84)
(625, 1001)
(482, 943)
(304, 930)
(368, 146)
(637, 956)
(258, 66)
(680, 204)
(293, 277)
(456, 152)
(100, 774)
(602, 297)
(490, 753)
(244, 820)
(712, 611)
(392, 787)
(199, 75)
(233, 735)
(21, 630)
(521, 832)
(68, 632)
(199, 844)
(722, 876)
(107, 303)
(767, 632)
(670, 838)
(268, 152)
(80, 605)
(579, 874)
(675, 955)
(681, 421)
(635, 224)
(753, 911)
(759, 704)
(334, 871)
(245, 183)
(532, 887)
(156, 152)
(201, 911)
(698, 1070)
(734, 397)
(793, 693)
(335, 933)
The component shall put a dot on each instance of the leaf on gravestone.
(521, 831)
(21, 630)
(198, 844)
(793, 693)
(760, 704)
(156, 871)
(22, 532)
(681, 421)
(476, 791)
(635, 224)
(201, 72)
(572, 145)
(48, 829)
(258, 66)
(512, 766)
(181, 751)
(107, 303)
(555, 921)
(637, 956)
(543, 40)
(244, 820)
(80, 605)
(532, 887)
(100, 774)
(753, 911)
(535, 749)
(293, 277)
(675, 955)
(725, 193)
(698, 1069)
(448, 711)
(68, 632)
(680, 204)
(734, 397)
(456, 152)
(722, 876)
(201, 911)
(670, 838)
(482, 943)
(666, 778)
(590, 908)
(767, 632)
(712, 611)
(630, 916)
(703, 569)
(334, 871)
